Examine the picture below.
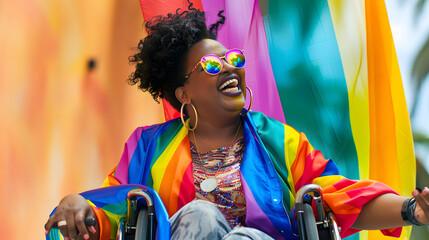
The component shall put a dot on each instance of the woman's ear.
(181, 95)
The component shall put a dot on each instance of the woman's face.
(214, 95)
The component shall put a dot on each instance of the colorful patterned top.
(277, 161)
(224, 165)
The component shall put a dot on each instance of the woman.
(225, 167)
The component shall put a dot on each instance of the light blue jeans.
(200, 220)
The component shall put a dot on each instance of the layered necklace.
(209, 184)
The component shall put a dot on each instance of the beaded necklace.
(209, 184)
(228, 195)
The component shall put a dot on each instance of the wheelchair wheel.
(142, 224)
(310, 223)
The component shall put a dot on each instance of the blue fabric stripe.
(109, 196)
(330, 169)
(117, 194)
(264, 184)
(143, 156)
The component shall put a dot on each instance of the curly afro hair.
(161, 56)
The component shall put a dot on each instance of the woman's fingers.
(85, 229)
(48, 225)
(422, 200)
(80, 224)
(70, 218)
(92, 231)
(70, 230)
(64, 230)
(54, 221)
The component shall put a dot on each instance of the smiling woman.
(217, 95)
(224, 172)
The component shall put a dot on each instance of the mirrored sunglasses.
(213, 64)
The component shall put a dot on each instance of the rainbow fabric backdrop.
(329, 69)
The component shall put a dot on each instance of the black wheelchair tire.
(142, 224)
(310, 223)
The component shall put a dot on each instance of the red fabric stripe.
(363, 194)
(315, 165)
(343, 183)
(152, 8)
(172, 182)
(299, 163)
(187, 189)
(169, 111)
(349, 196)
(392, 232)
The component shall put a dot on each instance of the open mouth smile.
(230, 85)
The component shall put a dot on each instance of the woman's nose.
(227, 67)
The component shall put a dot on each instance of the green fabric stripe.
(117, 208)
(310, 79)
(162, 143)
(272, 136)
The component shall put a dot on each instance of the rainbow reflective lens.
(213, 64)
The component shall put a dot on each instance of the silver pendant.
(208, 184)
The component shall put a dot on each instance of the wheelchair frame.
(325, 228)
(141, 223)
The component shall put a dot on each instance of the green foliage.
(422, 180)
(420, 138)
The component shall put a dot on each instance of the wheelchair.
(325, 228)
(141, 223)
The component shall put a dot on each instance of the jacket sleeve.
(133, 148)
(297, 163)
(345, 197)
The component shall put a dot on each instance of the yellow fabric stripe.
(114, 220)
(404, 136)
(161, 163)
(392, 162)
(348, 18)
(351, 39)
(327, 180)
(291, 148)
(106, 182)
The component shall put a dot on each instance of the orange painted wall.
(62, 127)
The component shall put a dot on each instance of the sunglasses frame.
(221, 62)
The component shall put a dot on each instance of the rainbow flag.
(110, 204)
(277, 161)
(329, 68)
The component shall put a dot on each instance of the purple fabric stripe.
(255, 217)
(130, 146)
(244, 28)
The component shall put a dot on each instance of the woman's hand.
(72, 211)
(422, 205)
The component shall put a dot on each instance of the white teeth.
(227, 83)
(234, 89)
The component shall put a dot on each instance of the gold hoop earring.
(251, 102)
(183, 120)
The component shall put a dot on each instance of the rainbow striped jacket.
(277, 161)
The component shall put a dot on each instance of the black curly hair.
(161, 56)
